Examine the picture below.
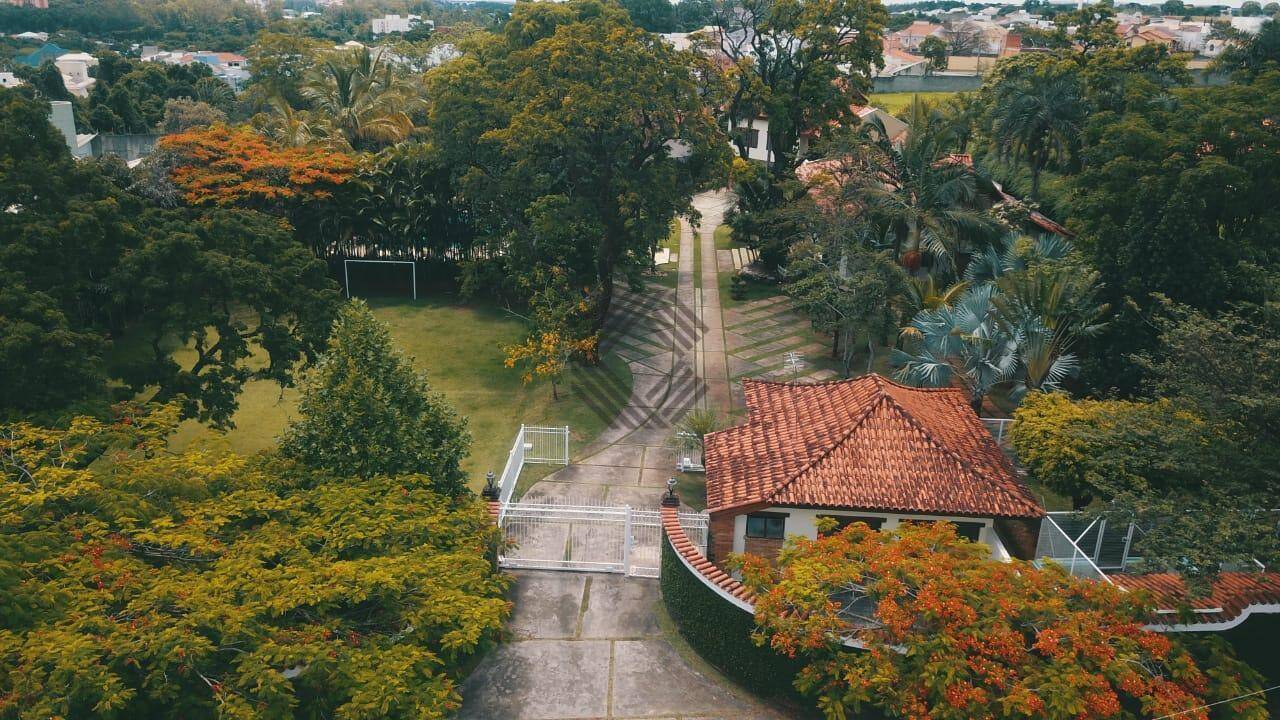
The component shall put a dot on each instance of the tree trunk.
(555, 396)
(975, 402)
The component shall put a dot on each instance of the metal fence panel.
(592, 538)
(548, 445)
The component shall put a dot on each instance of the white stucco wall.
(804, 522)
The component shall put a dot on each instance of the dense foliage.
(1195, 467)
(148, 584)
(941, 630)
(95, 256)
(366, 411)
(721, 632)
(560, 132)
(801, 65)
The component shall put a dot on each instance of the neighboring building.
(901, 62)
(910, 37)
(37, 36)
(1149, 35)
(39, 4)
(9, 80)
(398, 24)
(863, 450)
(63, 117)
(227, 67)
(1213, 47)
(1250, 25)
(75, 72)
(48, 51)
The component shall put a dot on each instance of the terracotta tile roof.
(680, 542)
(866, 443)
(1230, 595)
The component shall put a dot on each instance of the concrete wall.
(128, 147)
(926, 83)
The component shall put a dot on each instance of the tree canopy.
(564, 131)
(366, 411)
(91, 262)
(919, 623)
(801, 65)
(150, 584)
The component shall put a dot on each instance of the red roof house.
(866, 450)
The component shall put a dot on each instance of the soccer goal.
(413, 270)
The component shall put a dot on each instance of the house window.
(844, 521)
(770, 526)
(752, 138)
(967, 530)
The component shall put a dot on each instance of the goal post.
(346, 273)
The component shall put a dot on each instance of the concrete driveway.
(589, 646)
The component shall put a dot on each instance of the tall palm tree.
(916, 193)
(1015, 331)
(1037, 118)
(1012, 253)
(360, 97)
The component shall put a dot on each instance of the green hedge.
(721, 632)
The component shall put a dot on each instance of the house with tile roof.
(861, 450)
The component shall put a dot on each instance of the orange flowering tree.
(235, 166)
(921, 624)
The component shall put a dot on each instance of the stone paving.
(589, 646)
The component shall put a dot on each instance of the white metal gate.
(590, 538)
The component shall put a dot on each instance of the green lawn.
(724, 238)
(894, 102)
(460, 347)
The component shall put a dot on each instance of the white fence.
(1055, 545)
(998, 428)
(589, 538)
(533, 444)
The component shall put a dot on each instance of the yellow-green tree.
(157, 585)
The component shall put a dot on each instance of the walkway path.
(674, 344)
(589, 645)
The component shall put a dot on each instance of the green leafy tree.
(919, 200)
(934, 49)
(365, 411)
(855, 294)
(653, 15)
(226, 285)
(1017, 331)
(1254, 55)
(1037, 119)
(1175, 199)
(360, 100)
(163, 585)
(801, 65)
(182, 114)
(918, 623)
(1251, 8)
(51, 364)
(563, 127)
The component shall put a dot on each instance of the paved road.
(589, 646)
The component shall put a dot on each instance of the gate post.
(566, 444)
(626, 544)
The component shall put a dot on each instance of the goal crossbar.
(346, 273)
